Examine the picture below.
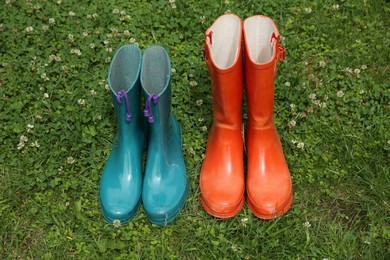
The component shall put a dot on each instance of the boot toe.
(121, 213)
(163, 208)
(268, 207)
(222, 206)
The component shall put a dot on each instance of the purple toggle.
(120, 94)
(148, 107)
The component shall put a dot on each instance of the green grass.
(336, 75)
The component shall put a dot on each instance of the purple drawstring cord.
(148, 107)
(122, 93)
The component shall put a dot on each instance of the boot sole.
(127, 219)
(285, 208)
(223, 215)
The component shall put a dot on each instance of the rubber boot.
(222, 174)
(268, 183)
(165, 186)
(121, 181)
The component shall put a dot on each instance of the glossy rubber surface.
(222, 175)
(268, 182)
(165, 187)
(121, 180)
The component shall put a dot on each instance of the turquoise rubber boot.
(165, 186)
(121, 181)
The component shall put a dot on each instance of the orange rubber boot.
(222, 174)
(268, 183)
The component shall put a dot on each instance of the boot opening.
(226, 40)
(156, 69)
(124, 68)
(258, 33)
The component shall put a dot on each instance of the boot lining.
(258, 31)
(225, 40)
(156, 68)
(124, 68)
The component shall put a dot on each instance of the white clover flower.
(45, 28)
(93, 92)
(173, 6)
(126, 32)
(335, 7)
(301, 145)
(46, 95)
(287, 84)
(94, 16)
(20, 145)
(76, 51)
(322, 104)
(294, 141)
(81, 102)
(89, 16)
(356, 71)
(193, 83)
(244, 221)
(71, 13)
(116, 223)
(29, 127)
(312, 96)
(292, 123)
(204, 128)
(52, 21)
(108, 60)
(305, 63)
(172, 1)
(322, 64)
(115, 11)
(173, 71)
(44, 77)
(200, 119)
(85, 34)
(35, 144)
(92, 46)
(307, 224)
(199, 102)
(292, 106)
(364, 67)
(70, 160)
(29, 29)
(340, 93)
(202, 19)
(308, 10)
(132, 40)
(70, 38)
(23, 139)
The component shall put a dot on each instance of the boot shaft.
(124, 84)
(155, 81)
(224, 60)
(262, 52)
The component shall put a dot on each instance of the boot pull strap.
(280, 51)
(119, 95)
(209, 41)
(148, 112)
